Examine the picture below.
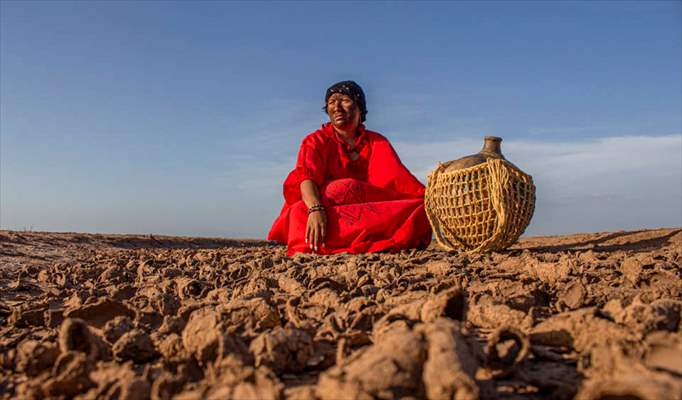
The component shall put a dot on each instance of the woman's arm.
(309, 165)
(316, 227)
(309, 193)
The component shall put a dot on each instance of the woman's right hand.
(316, 229)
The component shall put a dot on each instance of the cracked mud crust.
(589, 316)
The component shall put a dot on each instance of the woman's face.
(343, 112)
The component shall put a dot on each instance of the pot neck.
(492, 145)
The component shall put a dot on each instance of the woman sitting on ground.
(349, 191)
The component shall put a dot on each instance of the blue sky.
(184, 117)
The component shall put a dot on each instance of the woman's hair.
(352, 90)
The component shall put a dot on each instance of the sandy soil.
(590, 316)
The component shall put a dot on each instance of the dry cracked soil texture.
(589, 316)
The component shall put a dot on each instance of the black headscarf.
(352, 90)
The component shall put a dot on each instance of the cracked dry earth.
(590, 316)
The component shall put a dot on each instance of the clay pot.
(491, 149)
(481, 202)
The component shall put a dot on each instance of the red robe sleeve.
(309, 165)
(387, 171)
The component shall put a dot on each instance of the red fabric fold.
(373, 203)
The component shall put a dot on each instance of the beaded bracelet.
(316, 207)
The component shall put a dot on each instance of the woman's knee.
(341, 190)
(341, 184)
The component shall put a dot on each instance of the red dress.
(372, 203)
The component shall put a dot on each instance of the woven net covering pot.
(481, 208)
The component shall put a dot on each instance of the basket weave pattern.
(481, 208)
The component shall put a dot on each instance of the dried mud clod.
(391, 367)
(450, 303)
(166, 386)
(117, 327)
(190, 288)
(580, 330)
(232, 379)
(449, 370)
(664, 352)
(635, 384)
(643, 318)
(135, 345)
(432, 361)
(208, 338)
(116, 381)
(33, 357)
(507, 347)
(98, 313)
(283, 349)
(70, 375)
(75, 335)
(488, 313)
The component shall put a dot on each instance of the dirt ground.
(590, 316)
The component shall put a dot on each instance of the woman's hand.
(316, 229)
